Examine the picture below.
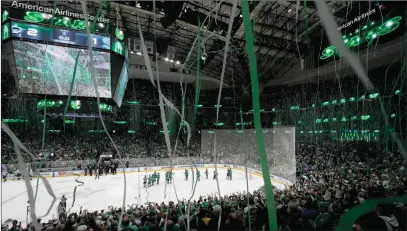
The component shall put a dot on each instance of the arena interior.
(204, 115)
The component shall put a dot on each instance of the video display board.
(124, 78)
(57, 35)
(48, 69)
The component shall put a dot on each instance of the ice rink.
(108, 191)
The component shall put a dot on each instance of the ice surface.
(108, 191)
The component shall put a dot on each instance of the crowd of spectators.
(331, 178)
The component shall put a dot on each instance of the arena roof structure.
(288, 36)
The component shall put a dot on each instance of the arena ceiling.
(275, 25)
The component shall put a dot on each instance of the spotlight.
(171, 60)
(139, 53)
(204, 56)
(241, 16)
(166, 59)
(289, 10)
(138, 5)
(131, 52)
(177, 62)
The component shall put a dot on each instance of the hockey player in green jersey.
(158, 178)
(153, 179)
(167, 177)
(149, 180)
(170, 174)
(198, 175)
(206, 173)
(186, 174)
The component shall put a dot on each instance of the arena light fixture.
(166, 59)
(177, 62)
(120, 122)
(138, 5)
(139, 53)
(204, 56)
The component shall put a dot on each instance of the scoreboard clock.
(64, 36)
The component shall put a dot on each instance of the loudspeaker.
(171, 52)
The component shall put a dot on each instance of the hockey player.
(97, 173)
(149, 181)
(198, 175)
(145, 181)
(4, 175)
(158, 178)
(153, 179)
(18, 174)
(30, 173)
(167, 177)
(171, 174)
(230, 174)
(116, 165)
(206, 173)
(90, 166)
(215, 175)
(186, 174)
(63, 201)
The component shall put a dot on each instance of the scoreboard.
(47, 46)
(57, 30)
(57, 35)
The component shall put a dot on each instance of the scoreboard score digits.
(64, 35)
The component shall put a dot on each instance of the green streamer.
(71, 87)
(256, 116)
(349, 218)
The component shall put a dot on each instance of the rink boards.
(201, 167)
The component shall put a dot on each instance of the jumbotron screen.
(48, 69)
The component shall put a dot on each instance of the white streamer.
(17, 146)
(84, 9)
(225, 55)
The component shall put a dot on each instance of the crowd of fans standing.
(331, 179)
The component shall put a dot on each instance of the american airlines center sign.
(366, 35)
(56, 11)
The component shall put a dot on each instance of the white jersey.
(4, 173)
